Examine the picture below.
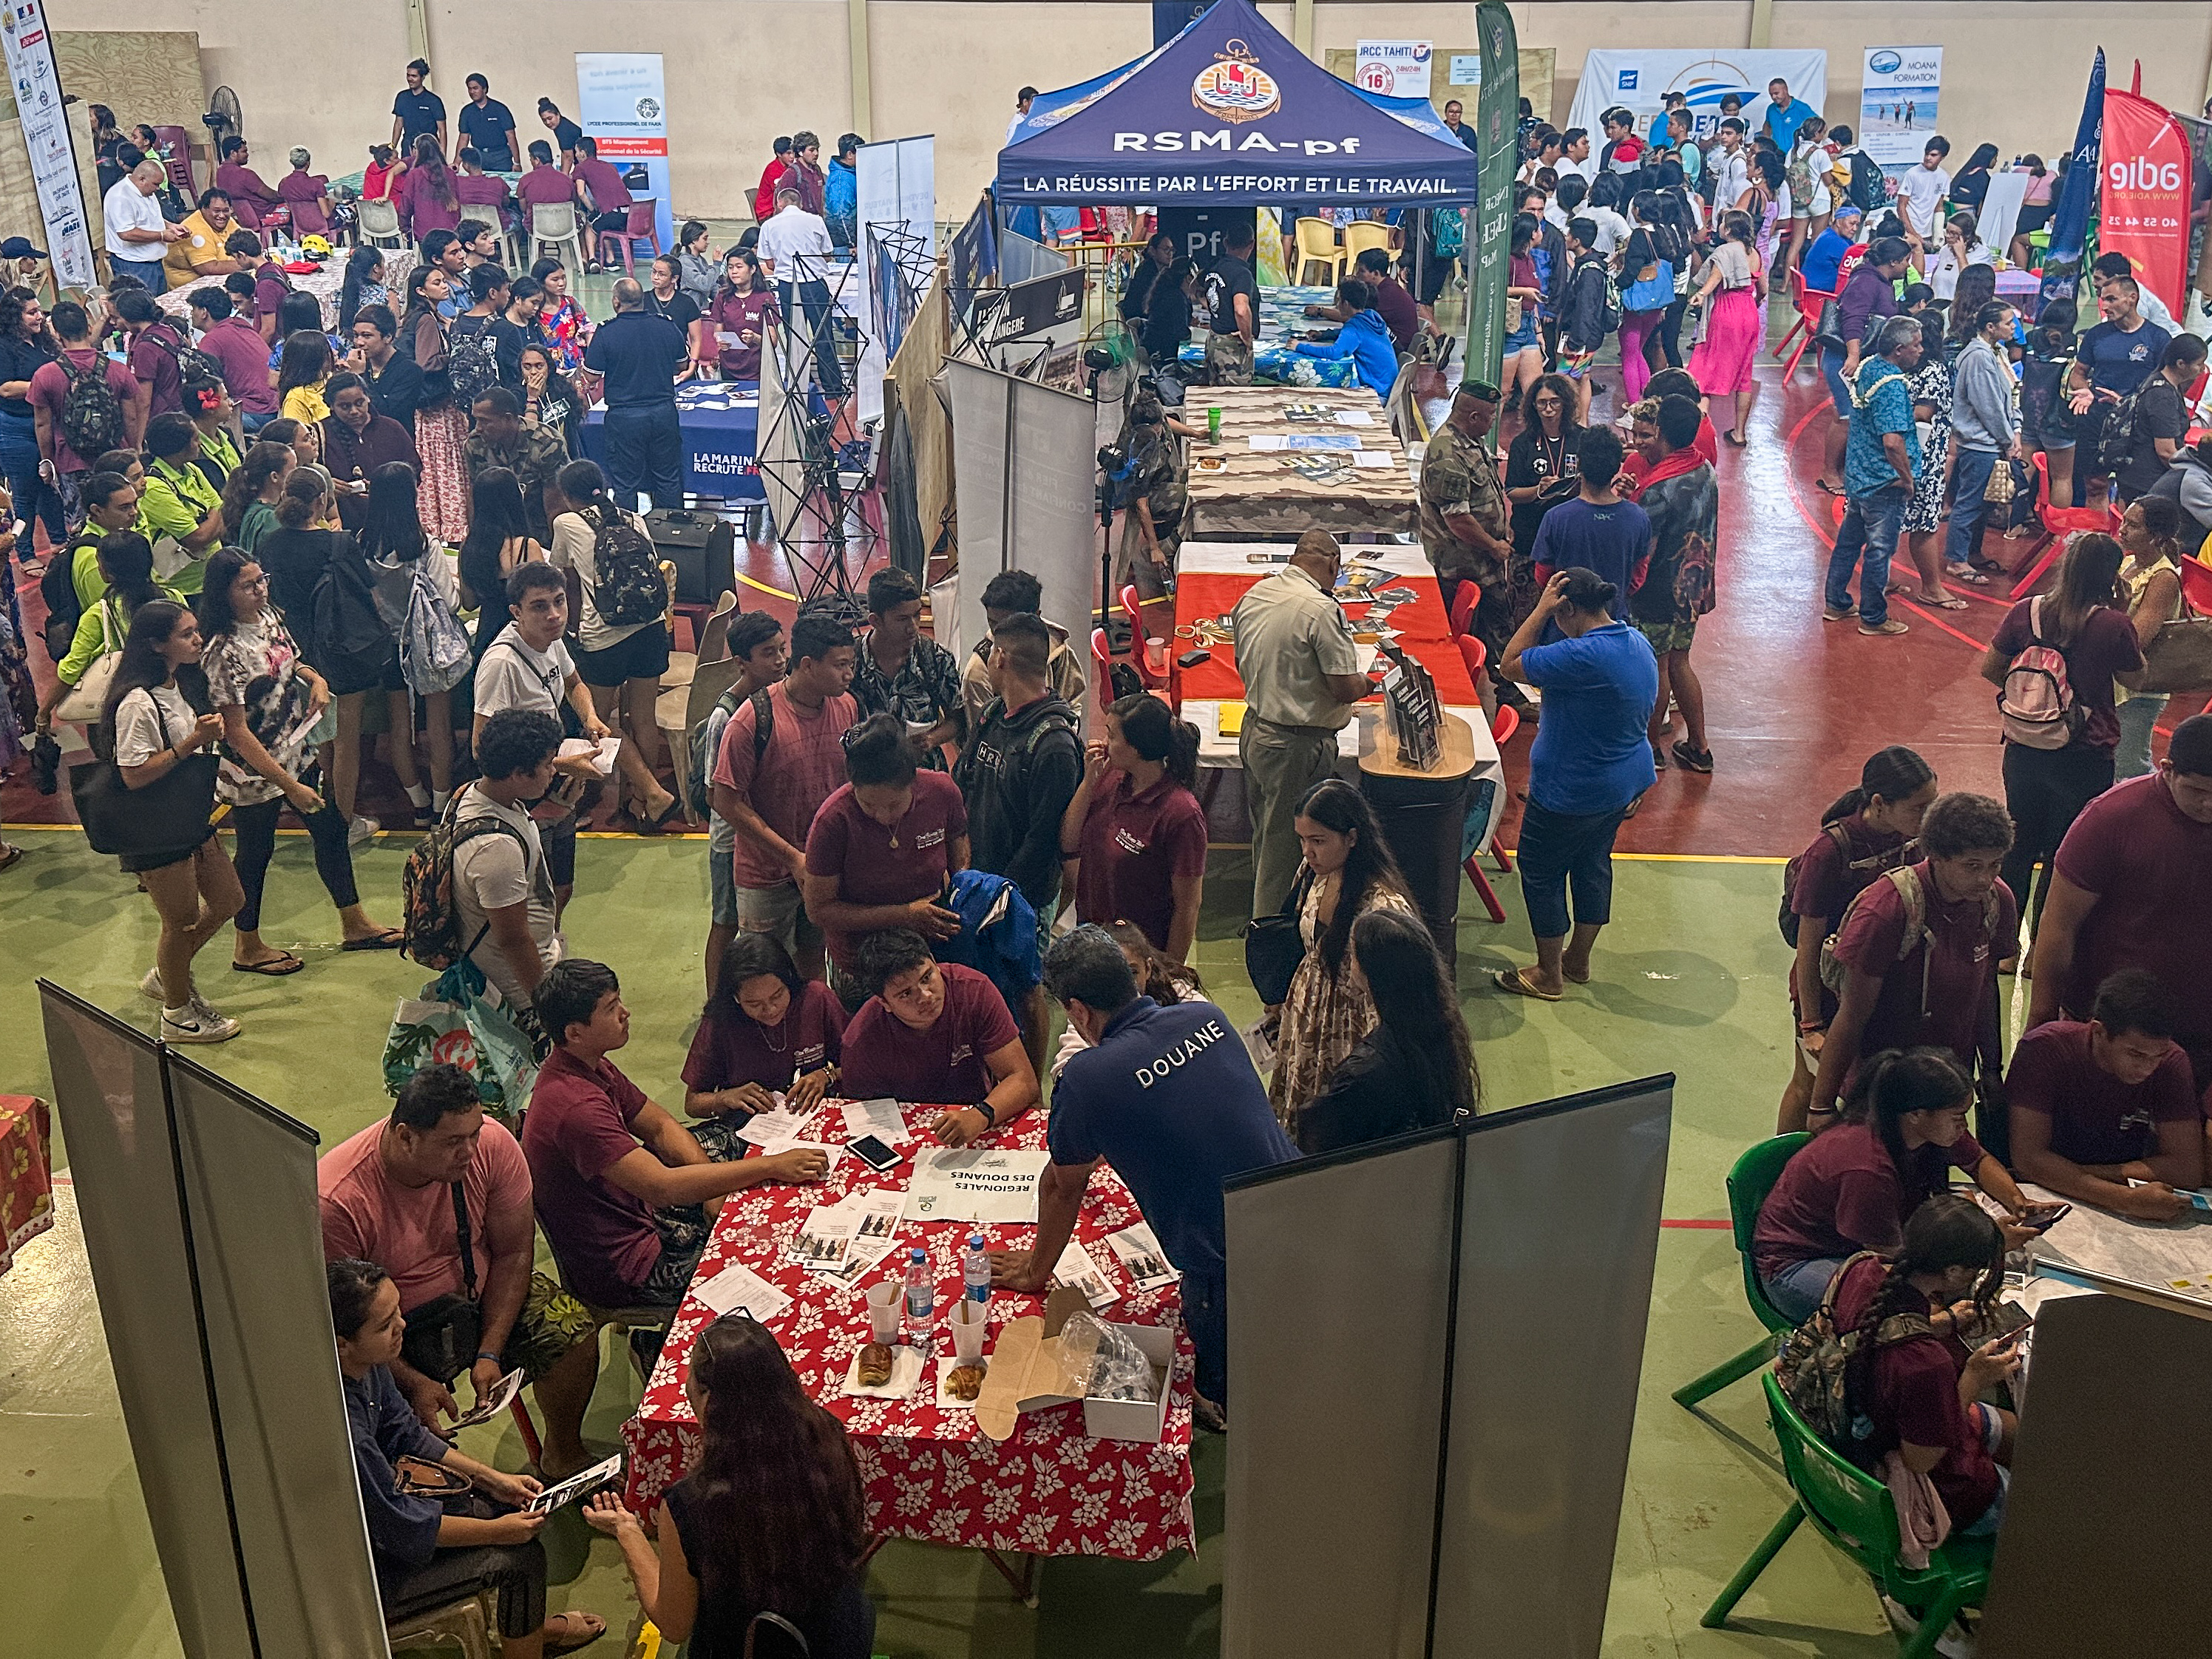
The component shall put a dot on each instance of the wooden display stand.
(1457, 761)
(1424, 814)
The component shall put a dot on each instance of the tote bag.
(168, 815)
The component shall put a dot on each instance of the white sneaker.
(196, 1024)
(150, 987)
(1955, 1642)
(361, 829)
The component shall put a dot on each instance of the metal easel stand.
(812, 505)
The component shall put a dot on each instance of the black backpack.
(701, 762)
(2116, 439)
(58, 587)
(92, 415)
(194, 366)
(1869, 190)
(628, 589)
(472, 365)
(1905, 852)
(352, 645)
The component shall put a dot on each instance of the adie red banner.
(2145, 194)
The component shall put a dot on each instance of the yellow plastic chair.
(1316, 245)
(1362, 234)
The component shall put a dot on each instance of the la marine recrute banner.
(2143, 177)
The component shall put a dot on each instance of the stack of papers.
(873, 1218)
(822, 1241)
(602, 753)
(879, 1118)
(1076, 1270)
(738, 1286)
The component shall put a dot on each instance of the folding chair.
(677, 710)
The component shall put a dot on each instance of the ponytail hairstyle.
(303, 496)
(1159, 976)
(1899, 1081)
(1336, 805)
(127, 559)
(2088, 576)
(1948, 1230)
(359, 264)
(585, 485)
(1893, 774)
(2163, 523)
(262, 462)
(878, 754)
(1152, 729)
(140, 668)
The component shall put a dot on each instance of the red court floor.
(1794, 704)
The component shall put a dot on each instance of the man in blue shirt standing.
(1169, 1098)
(1785, 114)
(1880, 460)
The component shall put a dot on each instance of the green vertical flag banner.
(1497, 151)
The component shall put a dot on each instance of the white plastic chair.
(554, 222)
(379, 225)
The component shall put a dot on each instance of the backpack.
(1815, 1363)
(2036, 705)
(1904, 852)
(194, 366)
(1608, 318)
(1868, 189)
(351, 646)
(701, 762)
(430, 926)
(433, 651)
(92, 415)
(629, 588)
(1834, 971)
(1448, 232)
(471, 365)
(58, 587)
(2116, 439)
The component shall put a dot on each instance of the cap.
(18, 247)
(1481, 390)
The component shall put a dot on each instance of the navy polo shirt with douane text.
(1169, 1098)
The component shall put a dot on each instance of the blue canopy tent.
(1230, 113)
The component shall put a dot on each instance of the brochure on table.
(986, 1185)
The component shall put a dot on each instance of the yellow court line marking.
(763, 588)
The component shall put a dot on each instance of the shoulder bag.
(2180, 655)
(168, 815)
(1274, 946)
(442, 1335)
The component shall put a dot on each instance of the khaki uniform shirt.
(1288, 635)
(1459, 476)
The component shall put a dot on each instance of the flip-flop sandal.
(1966, 573)
(569, 1644)
(276, 967)
(1575, 979)
(389, 939)
(1949, 602)
(11, 855)
(1824, 484)
(1510, 979)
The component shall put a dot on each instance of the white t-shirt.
(1918, 190)
(1612, 229)
(1732, 177)
(572, 549)
(2152, 307)
(126, 208)
(147, 722)
(490, 873)
(513, 676)
(1587, 167)
(786, 237)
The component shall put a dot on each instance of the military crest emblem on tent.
(1235, 88)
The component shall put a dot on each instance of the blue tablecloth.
(721, 421)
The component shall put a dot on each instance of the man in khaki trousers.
(1302, 674)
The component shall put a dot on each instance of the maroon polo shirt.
(940, 1066)
(1134, 844)
(1399, 315)
(2146, 860)
(2106, 647)
(2095, 1117)
(1843, 1194)
(1935, 995)
(730, 1048)
(578, 1128)
(153, 364)
(473, 190)
(605, 182)
(544, 186)
(1830, 877)
(847, 843)
(237, 345)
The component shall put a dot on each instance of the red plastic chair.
(1808, 303)
(1474, 654)
(2196, 585)
(638, 228)
(2059, 523)
(1102, 666)
(1464, 599)
(1502, 728)
(1150, 655)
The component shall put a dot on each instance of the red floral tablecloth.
(27, 1175)
(932, 1475)
(1424, 634)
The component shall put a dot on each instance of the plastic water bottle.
(976, 1272)
(918, 1306)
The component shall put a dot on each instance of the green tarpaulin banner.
(1497, 151)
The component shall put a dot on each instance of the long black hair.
(359, 264)
(1900, 1081)
(1948, 1230)
(1416, 1008)
(142, 669)
(748, 956)
(780, 1518)
(1336, 805)
(1150, 728)
(496, 516)
(392, 522)
(218, 610)
(127, 559)
(2088, 577)
(249, 478)
(306, 361)
(1893, 774)
(428, 160)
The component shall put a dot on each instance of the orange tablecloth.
(26, 1175)
(1424, 634)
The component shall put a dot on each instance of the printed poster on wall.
(1396, 69)
(38, 84)
(1466, 70)
(1639, 80)
(2143, 194)
(622, 102)
(1898, 92)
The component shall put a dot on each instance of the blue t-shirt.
(1609, 540)
(1866, 466)
(1785, 123)
(1824, 260)
(1169, 1098)
(1592, 754)
(2118, 361)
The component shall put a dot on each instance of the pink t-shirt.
(803, 766)
(408, 1231)
(876, 865)
(940, 1066)
(50, 391)
(734, 1049)
(578, 1128)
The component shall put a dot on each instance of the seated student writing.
(427, 1553)
(765, 1032)
(2098, 1103)
(1921, 1397)
(936, 1034)
(618, 1183)
(1853, 1187)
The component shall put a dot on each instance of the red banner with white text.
(2145, 163)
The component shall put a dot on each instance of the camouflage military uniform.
(1459, 477)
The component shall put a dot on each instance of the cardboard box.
(1134, 1420)
(1030, 1373)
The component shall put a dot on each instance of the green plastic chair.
(1852, 1510)
(1749, 1184)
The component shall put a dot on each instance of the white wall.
(740, 72)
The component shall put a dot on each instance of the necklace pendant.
(894, 840)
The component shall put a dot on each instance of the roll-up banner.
(37, 83)
(1638, 81)
(895, 212)
(1498, 157)
(622, 103)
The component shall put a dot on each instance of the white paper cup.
(884, 1313)
(970, 1323)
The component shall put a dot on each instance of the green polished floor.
(1688, 980)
